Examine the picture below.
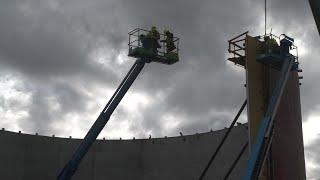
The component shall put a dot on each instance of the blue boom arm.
(71, 167)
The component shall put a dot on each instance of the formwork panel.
(257, 93)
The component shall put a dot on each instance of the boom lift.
(143, 55)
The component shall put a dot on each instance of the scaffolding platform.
(238, 50)
(161, 55)
(274, 57)
(275, 61)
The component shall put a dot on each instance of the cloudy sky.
(60, 62)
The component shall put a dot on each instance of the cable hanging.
(236, 161)
(222, 141)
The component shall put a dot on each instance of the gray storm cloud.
(52, 48)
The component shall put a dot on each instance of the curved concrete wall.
(26, 157)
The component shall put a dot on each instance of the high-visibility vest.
(273, 43)
(154, 34)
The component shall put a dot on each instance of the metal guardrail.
(135, 42)
(237, 45)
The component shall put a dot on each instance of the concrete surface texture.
(35, 157)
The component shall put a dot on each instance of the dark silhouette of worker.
(154, 35)
(146, 41)
(169, 41)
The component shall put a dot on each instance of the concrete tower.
(286, 157)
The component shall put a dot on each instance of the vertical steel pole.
(265, 17)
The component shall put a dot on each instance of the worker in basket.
(271, 45)
(154, 37)
(169, 41)
(146, 41)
